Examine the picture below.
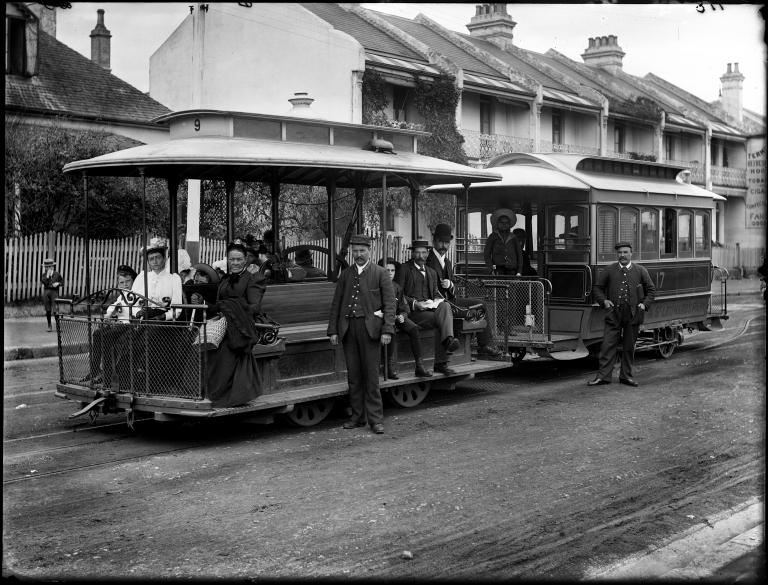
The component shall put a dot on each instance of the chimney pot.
(735, 67)
(729, 68)
(100, 42)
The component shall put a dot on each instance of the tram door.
(566, 246)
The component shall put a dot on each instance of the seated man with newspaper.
(419, 283)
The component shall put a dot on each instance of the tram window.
(649, 234)
(669, 229)
(684, 235)
(567, 225)
(628, 229)
(703, 235)
(606, 231)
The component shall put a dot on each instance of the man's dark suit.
(622, 321)
(484, 337)
(418, 287)
(352, 319)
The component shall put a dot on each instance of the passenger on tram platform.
(363, 289)
(233, 377)
(522, 237)
(502, 250)
(161, 283)
(304, 260)
(112, 329)
(420, 290)
(402, 323)
(438, 260)
(201, 290)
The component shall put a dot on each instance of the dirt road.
(527, 473)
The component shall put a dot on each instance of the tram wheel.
(666, 350)
(408, 395)
(307, 414)
(517, 354)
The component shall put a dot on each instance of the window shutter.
(628, 226)
(606, 232)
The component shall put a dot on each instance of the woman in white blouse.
(161, 284)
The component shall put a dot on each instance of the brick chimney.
(604, 52)
(492, 23)
(100, 42)
(731, 92)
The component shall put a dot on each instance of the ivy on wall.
(436, 101)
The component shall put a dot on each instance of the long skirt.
(233, 377)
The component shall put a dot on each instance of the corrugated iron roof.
(725, 129)
(494, 82)
(393, 62)
(569, 98)
(369, 36)
(69, 83)
(681, 120)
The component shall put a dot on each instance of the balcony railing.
(547, 146)
(486, 146)
(729, 177)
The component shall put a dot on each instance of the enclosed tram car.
(160, 369)
(575, 208)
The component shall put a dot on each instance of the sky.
(676, 42)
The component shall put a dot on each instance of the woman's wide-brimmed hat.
(503, 212)
(49, 262)
(208, 270)
(157, 245)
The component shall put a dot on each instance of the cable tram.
(574, 208)
(160, 369)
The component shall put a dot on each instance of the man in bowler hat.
(438, 260)
(419, 283)
(362, 290)
(626, 291)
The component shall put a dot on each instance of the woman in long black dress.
(233, 377)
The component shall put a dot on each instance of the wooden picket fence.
(24, 260)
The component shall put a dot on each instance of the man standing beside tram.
(363, 289)
(438, 260)
(626, 291)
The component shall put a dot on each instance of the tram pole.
(414, 213)
(229, 185)
(466, 230)
(173, 187)
(87, 243)
(384, 215)
(330, 187)
(146, 276)
(274, 191)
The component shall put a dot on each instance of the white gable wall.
(254, 59)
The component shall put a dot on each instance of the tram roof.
(561, 171)
(248, 159)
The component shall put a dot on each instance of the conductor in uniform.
(626, 291)
(363, 290)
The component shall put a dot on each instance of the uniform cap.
(360, 240)
(623, 245)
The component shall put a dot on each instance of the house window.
(15, 46)
(399, 102)
(669, 229)
(618, 139)
(390, 218)
(485, 115)
(649, 233)
(669, 148)
(557, 128)
(725, 156)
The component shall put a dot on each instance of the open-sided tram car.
(575, 208)
(163, 372)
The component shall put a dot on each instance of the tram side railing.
(515, 307)
(718, 300)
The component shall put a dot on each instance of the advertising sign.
(756, 200)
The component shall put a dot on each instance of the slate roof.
(370, 37)
(442, 45)
(70, 84)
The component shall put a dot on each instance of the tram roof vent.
(300, 105)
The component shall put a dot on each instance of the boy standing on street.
(51, 280)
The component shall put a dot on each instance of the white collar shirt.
(160, 284)
(361, 268)
(440, 258)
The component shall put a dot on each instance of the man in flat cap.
(626, 291)
(438, 260)
(419, 283)
(363, 290)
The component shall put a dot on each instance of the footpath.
(728, 548)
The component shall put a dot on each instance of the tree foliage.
(50, 200)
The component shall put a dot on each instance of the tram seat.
(301, 308)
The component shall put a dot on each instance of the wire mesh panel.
(149, 358)
(514, 308)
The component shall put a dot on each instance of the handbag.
(210, 334)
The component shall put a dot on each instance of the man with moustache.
(419, 283)
(363, 289)
(441, 264)
(626, 291)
